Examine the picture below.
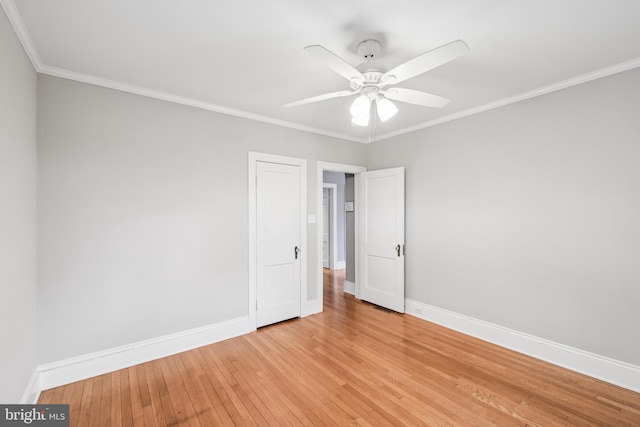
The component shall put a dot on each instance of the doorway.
(347, 205)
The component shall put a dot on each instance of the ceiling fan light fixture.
(386, 109)
(360, 107)
(360, 121)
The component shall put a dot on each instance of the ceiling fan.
(374, 83)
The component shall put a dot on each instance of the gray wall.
(527, 216)
(17, 216)
(338, 179)
(143, 214)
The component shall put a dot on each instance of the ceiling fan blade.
(416, 97)
(334, 62)
(320, 98)
(425, 62)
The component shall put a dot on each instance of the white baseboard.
(349, 287)
(604, 368)
(32, 392)
(339, 265)
(90, 365)
(82, 367)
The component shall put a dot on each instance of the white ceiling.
(246, 57)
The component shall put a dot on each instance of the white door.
(326, 228)
(381, 238)
(278, 238)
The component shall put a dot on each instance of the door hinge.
(403, 250)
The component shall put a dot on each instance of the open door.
(381, 238)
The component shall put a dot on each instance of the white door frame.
(315, 306)
(333, 229)
(254, 158)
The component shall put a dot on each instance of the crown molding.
(584, 78)
(97, 81)
(21, 31)
(23, 35)
(163, 96)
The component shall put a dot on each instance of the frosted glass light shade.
(360, 107)
(360, 110)
(386, 109)
(360, 121)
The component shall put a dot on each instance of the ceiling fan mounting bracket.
(369, 49)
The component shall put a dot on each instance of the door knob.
(296, 251)
(398, 249)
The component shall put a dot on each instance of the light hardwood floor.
(352, 364)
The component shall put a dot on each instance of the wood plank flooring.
(354, 364)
